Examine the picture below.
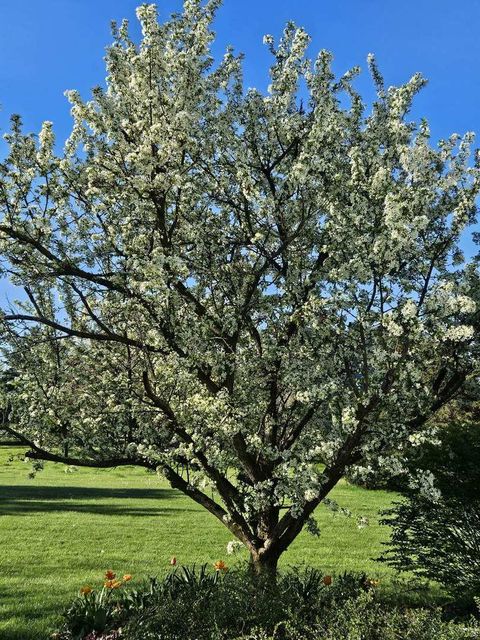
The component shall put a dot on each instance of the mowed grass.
(62, 530)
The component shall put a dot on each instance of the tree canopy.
(265, 288)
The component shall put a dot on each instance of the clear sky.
(47, 46)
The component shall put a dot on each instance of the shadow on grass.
(19, 634)
(23, 623)
(18, 500)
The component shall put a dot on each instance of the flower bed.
(214, 603)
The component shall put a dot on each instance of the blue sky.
(47, 46)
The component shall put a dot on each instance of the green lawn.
(62, 530)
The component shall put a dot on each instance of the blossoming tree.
(264, 289)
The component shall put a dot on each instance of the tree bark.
(263, 564)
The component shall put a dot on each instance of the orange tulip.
(109, 575)
(127, 577)
(220, 566)
(327, 580)
(86, 590)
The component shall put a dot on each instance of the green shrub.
(440, 539)
(360, 617)
(235, 605)
(96, 611)
(197, 603)
(454, 460)
(205, 600)
(367, 619)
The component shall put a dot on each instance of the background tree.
(283, 269)
(437, 534)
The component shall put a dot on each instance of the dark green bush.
(440, 539)
(206, 600)
(454, 461)
(300, 606)
(238, 603)
(199, 604)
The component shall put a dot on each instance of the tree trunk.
(264, 565)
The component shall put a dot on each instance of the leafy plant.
(440, 538)
(202, 603)
(98, 610)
